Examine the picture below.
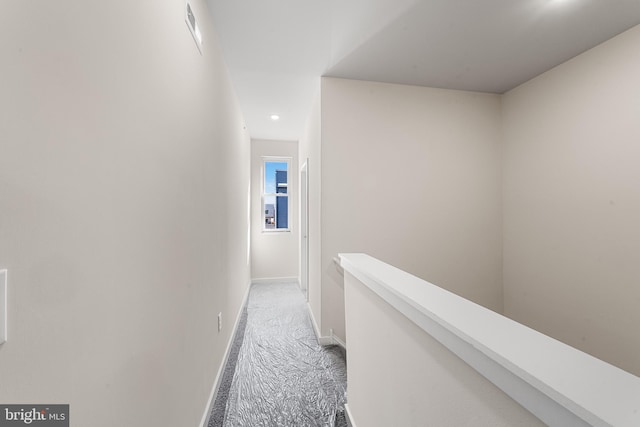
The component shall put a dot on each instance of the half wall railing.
(419, 355)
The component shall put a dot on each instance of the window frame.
(264, 194)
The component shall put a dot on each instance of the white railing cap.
(595, 391)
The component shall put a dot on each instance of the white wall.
(309, 148)
(416, 381)
(124, 178)
(274, 254)
(572, 202)
(411, 176)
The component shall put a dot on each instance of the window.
(275, 194)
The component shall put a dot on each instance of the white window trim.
(265, 160)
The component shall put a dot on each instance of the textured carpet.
(216, 418)
(281, 376)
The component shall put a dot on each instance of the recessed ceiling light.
(275, 117)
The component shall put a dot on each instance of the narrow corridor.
(277, 373)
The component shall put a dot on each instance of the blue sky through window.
(270, 175)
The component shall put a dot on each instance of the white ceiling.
(276, 50)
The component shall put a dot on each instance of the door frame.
(304, 228)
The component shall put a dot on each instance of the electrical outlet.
(219, 321)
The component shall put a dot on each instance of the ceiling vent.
(193, 27)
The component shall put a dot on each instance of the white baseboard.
(337, 341)
(216, 383)
(313, 322)
(321, 340)
(349, 416)
(276, 280)
(324, 340)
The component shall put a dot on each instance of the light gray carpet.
(282, 376)
(216, 418)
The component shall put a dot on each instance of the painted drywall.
(124, 192)
(572, 202)
(274, 254)
(411, 176)
(437, 387)
(309, 151)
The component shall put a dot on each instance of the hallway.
(131, 199)
(282, 376)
